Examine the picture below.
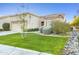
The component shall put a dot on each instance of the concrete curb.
(10, 50)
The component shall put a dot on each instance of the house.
(31, 20)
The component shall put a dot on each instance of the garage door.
(16, 27)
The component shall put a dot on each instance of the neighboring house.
(31, 21)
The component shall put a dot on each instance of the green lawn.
(49, 44)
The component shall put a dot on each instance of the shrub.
(40, 29)
(75, 22)
(34, 29)
(60, 27)
(1, 29)
(6, 26)
(45, 30)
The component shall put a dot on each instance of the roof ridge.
(18, 14)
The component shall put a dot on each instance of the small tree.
(75, 22)
(22, 21)
(60, 27)
(6, 26)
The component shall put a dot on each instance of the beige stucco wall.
(31, 21)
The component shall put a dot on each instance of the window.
(42, 23)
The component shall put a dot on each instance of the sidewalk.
(10, 50)
(6, 33)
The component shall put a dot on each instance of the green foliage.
(6, 26)
(46, 30)
(60, 27)
(75, 22)
(34, 29)
(1, 29)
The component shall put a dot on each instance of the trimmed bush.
(40, 29)
(34, 29)
(1, 29)
(46, 30)
(6, 26)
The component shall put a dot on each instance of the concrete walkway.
(6, 33)
(10, 50)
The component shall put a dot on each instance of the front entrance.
(42, 23)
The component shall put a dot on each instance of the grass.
(48, 44)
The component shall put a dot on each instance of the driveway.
(10, 50)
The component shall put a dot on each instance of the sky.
(68, 9)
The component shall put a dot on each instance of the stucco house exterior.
(31, 21)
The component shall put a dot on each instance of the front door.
(42, 23)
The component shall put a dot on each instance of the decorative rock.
(72, 47)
